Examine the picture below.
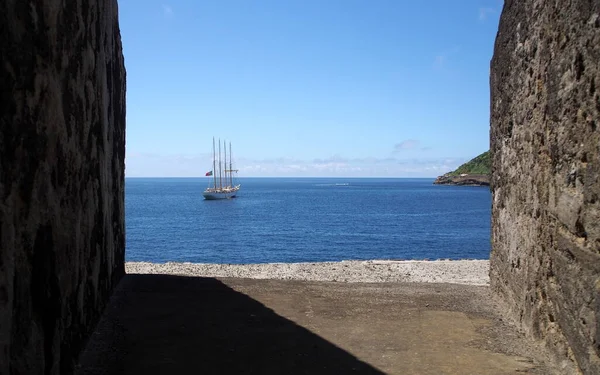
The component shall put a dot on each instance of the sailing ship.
(222, 185)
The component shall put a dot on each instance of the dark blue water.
(306, 219)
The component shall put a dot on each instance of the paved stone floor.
(159, 324)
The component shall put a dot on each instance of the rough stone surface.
(467, 180)
(62, 149)
(545, 141)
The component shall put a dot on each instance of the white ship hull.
(212, 194)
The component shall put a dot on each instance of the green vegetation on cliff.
(479, 165)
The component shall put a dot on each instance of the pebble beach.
(466, 272)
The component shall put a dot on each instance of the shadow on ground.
(161, 324)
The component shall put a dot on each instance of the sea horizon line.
(282, 177)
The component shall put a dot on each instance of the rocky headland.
(475, 172)
(466, 180)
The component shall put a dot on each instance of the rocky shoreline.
(464, 180)
(466, 272)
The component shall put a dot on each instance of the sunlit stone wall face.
(545, 141)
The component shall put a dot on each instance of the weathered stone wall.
(545, 141)
(62, 149)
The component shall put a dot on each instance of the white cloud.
(196, 165)
(168, 11)
(440, 61)
(408, 144)
(484, 12)
(334, 159)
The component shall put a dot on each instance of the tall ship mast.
(230, 167)
(223, 184)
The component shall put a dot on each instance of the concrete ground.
(162, 324)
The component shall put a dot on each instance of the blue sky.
(348, 88)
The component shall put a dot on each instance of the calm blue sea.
(305, 220)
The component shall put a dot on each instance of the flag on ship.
(209, 173)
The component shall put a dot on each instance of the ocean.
(305, 220)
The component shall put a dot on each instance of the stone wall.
(62, 149)
(545, 141)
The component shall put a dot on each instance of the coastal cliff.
(475, 172)
(545, 108)
(466, 180)
(62, 150)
